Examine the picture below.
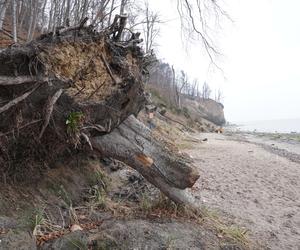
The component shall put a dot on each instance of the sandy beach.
(254, 184)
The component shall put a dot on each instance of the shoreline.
(273, 126)
(286, 145)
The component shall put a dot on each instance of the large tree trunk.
(76, 88)
(133, 143)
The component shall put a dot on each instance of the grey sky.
(261, 62)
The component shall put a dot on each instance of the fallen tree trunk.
(133, 144)
(77, 87)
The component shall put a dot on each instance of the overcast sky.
(261, 78)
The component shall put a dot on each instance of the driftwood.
(80, 87)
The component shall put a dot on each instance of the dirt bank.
(252, 186)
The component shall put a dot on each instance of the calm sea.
(272, 126)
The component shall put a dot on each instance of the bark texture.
(133, 144)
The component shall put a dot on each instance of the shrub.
(74, 121)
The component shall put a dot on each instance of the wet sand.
(252, 185)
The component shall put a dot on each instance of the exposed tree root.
(82, 85)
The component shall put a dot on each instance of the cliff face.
(205, 108)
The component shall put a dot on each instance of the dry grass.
(150, 206)
(163, 207)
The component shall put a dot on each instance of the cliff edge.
(205, 108)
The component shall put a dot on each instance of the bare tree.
(14, 20)
(84, 10)
(22, 13)
(122, 6)
(194, 86)
(34, 19)
(31, 11)
(150, 27)
(206, 91)
(180, 86)
(67, 13)
(112, 6)
(101, 13)
(43, 16)
(196, 18)
(3, 7)
(174, 84)
(219, 96)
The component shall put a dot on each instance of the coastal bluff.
(205, 108)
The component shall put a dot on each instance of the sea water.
(272, 126)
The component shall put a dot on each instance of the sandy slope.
(256, 188)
